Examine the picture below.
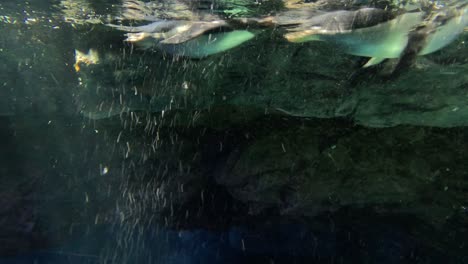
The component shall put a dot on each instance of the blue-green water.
(248, 145)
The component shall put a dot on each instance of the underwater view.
(233, 131)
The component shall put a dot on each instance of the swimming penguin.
(438, 29)
(194, 39)
(378, 34)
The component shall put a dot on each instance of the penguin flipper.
(373, 61)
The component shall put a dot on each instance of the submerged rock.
(308, 171)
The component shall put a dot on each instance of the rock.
(391, 170)
(432, 95)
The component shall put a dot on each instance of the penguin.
(380, 35)
(439, 29)
(193, 39)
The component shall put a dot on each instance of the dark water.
(270, 152)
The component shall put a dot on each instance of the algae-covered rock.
(433, 95)
(391, 170)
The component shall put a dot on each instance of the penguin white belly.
(208, 44)
(385, 40)
(446, 34)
